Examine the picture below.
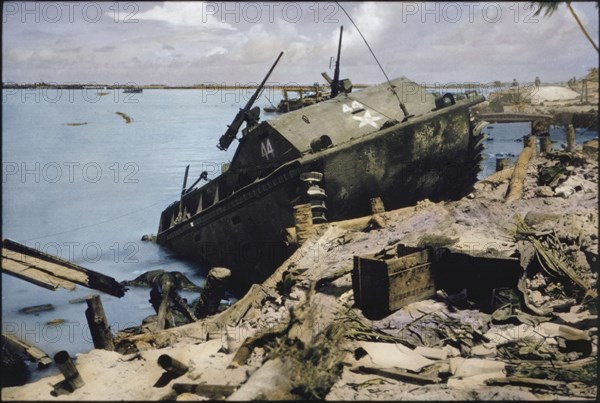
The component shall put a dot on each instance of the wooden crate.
(385, 285)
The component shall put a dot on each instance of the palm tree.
(550, 7)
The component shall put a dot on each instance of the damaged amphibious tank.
(394, 141)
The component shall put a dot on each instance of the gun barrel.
(335, 85)
(234, 127)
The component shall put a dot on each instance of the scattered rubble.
(513, 315)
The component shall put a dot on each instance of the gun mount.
(246, 114)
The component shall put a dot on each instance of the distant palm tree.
(550, 7)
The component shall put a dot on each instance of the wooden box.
(385, 285)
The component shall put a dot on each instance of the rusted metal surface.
(359, 146)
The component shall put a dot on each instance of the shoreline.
(300, 325)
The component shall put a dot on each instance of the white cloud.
(219, 50)
(185, 14)
(173, 41)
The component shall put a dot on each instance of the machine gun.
(245, 114)
(335, 85)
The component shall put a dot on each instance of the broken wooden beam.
(525, 381)
(213, 392)
(51, 272)
(163, 311)
(213, 292)
(399, 375)
(99, 327)
(37, 308)
(515, 187)
(20, 346)
(571, 138)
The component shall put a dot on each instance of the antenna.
(402, 106)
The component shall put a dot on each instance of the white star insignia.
(367, 119)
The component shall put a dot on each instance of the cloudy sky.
(195, 42)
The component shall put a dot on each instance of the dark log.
(377, 206)
(37, 308)
(72, 378)
(243, 353)
(99, 327)
(570, 138)
(399, 375)
(211, 391)
(501, 164)
(163, 309)
(172, 366)
(213, 292)
(545, 144)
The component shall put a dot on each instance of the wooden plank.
(99, 327)
(37, 308)
(33, 275)
(51, 272)
(410, 285)
(23, 347)
(410, 260)
(525, 381)
(399, 375)
(384, 285)
(211, 391)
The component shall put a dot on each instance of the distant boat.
(132, 90)
(305, 99)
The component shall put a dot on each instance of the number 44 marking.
(266, 149)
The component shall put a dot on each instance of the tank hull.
(432, 156)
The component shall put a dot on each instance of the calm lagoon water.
(88, 192)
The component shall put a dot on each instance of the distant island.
(210, 86)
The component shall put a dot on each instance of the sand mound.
(552, 93)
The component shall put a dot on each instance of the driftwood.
(571, 138)
(499, 176)
(213, 292)
(99, 327)
(37, 308)
(213, 392)
(399, 375)
(52, 272)
(163, 309)
(524, 381)
(515, 187)
(197, 330)
(23, 347)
